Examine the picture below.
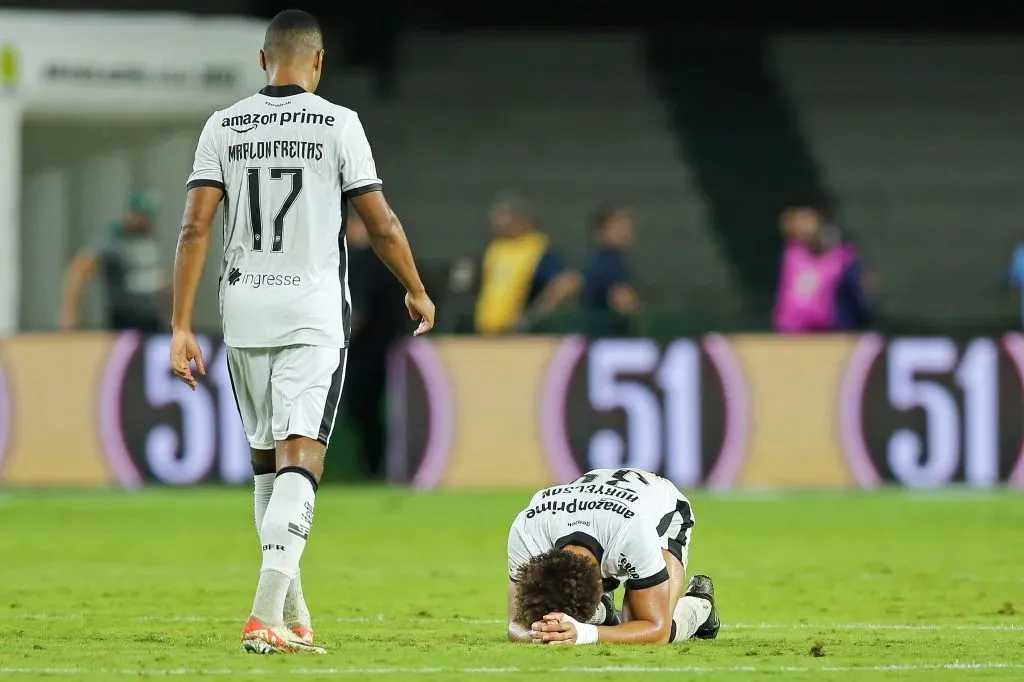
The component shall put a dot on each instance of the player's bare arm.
(391, 245)
(651, 624)
(79, 272)
(193, 243)
(516, 632)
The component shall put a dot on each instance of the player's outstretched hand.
(554, 628)
(184, 350)
(421, 308)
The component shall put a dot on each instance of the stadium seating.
(476, 115)
(920, 141)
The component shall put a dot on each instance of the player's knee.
(302, 452)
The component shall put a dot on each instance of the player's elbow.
(662, 636)
(194, 231)
(383, 232)
(660, 633)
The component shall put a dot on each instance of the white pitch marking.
(380, 618)
(699, 669)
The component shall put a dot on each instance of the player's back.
(287, 159)
(614, 513)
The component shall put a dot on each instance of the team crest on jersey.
(245, 123)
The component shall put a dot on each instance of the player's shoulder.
(341, 113)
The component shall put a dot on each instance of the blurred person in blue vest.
(609, 299)
(1016, 276)
(522, 280)
(822, 281)
(127, 256)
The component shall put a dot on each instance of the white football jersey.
(286, 160)
(622, 516)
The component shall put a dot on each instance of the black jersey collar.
(282, 90)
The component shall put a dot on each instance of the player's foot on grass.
(303, 632)
(303, 644)
(701, 587)
(259, 638)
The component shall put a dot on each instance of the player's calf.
(695, 614)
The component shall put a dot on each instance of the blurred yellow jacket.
(507, 275)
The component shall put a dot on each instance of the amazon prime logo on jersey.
(245, 123)
(575, 506)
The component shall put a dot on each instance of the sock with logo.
(295, 610)
(283, 534)
(690, 613)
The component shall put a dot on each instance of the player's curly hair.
(557, 581)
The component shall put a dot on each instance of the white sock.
(295, 609)
(690, 614)
(286, 526)
(263, 488)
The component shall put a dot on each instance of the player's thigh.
(306, 382)
(249, 372)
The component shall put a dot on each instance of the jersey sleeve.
(641, 549)
(518, 552)
(206, 169)
(358, 171)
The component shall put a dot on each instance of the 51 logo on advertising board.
(172, 434)
(926, 412)
(677, 409)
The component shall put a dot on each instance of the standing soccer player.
(285, 162)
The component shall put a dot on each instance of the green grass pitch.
(411, 586)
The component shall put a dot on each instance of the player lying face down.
(574, 544)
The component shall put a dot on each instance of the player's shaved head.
(292, 33)
(558, 581)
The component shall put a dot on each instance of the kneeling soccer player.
(573, 545)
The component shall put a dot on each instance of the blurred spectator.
(609, 298)
(128, 255)
(1017, 276)
(378, 319)
(821, 283)
(522, 281)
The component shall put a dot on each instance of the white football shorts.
(287, 391)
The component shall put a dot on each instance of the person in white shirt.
(286, 163)
(575, 544)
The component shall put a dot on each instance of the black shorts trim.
(199, 182)
(333, 396)
(644, 583)
(365, 189)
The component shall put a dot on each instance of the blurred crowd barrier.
(745, 411)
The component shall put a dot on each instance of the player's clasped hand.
(554, 628)
(184, 350)
(421, 308)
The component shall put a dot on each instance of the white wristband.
(585, 632)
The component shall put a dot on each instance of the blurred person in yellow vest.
(522, 281)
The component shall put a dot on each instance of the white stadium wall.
(92, 106)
